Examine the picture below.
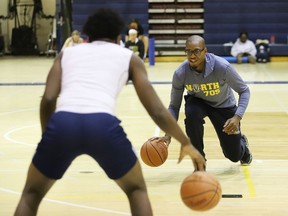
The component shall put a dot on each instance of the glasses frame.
(196, 52)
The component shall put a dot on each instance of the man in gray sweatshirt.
(210, 81)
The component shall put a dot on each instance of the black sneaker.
(247, 157)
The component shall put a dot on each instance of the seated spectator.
(134, 24)
(244, 47)
(73, 40)
(134, 44)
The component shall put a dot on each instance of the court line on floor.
(16, 111)
(274, 94)
(249, 181)
(7, 136)
(152, 82)
(157, 132)
(70, 204)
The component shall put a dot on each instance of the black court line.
(232, 196)
(153, 82)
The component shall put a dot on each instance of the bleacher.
(128, 9)
(170, 22)
(262, 19)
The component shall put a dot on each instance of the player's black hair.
(103, 24)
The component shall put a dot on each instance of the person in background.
(263, 50)
(75, 39)
(134, 44)
(210, 82)
(244, 47)
(134, 24)
(77, 116)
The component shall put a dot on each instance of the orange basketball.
(201, 191)
(154, 152)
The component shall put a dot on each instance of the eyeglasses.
(196, 52)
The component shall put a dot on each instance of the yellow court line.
(249, 181)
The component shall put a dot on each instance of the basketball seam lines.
(157, 152)
(210, 183)
(146, 149)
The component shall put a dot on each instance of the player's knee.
(233, 158)
(35, 195)
(232, 155)
(131, 190)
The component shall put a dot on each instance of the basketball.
(201, 191)
(154, 152)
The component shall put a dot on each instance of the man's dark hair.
(103, 24)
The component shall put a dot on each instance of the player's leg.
(239, 58)
(195, 112)
(55, 152)
(133, 184)
(108, 144)
(233, 145)
(36, 186)
(251, 59)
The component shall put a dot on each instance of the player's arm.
(176, 96)
(159, 113)
(52, 90)
(234, 80)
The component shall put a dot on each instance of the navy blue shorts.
(69, 135)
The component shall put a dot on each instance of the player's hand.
(166, 139)
(198, 160)
(160, 139)
(231, 126)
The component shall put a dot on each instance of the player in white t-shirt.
(88, 78)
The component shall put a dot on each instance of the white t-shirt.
(240, 47)
(92, 76)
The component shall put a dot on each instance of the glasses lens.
(195, 52)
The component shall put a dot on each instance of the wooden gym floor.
(85, 190)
